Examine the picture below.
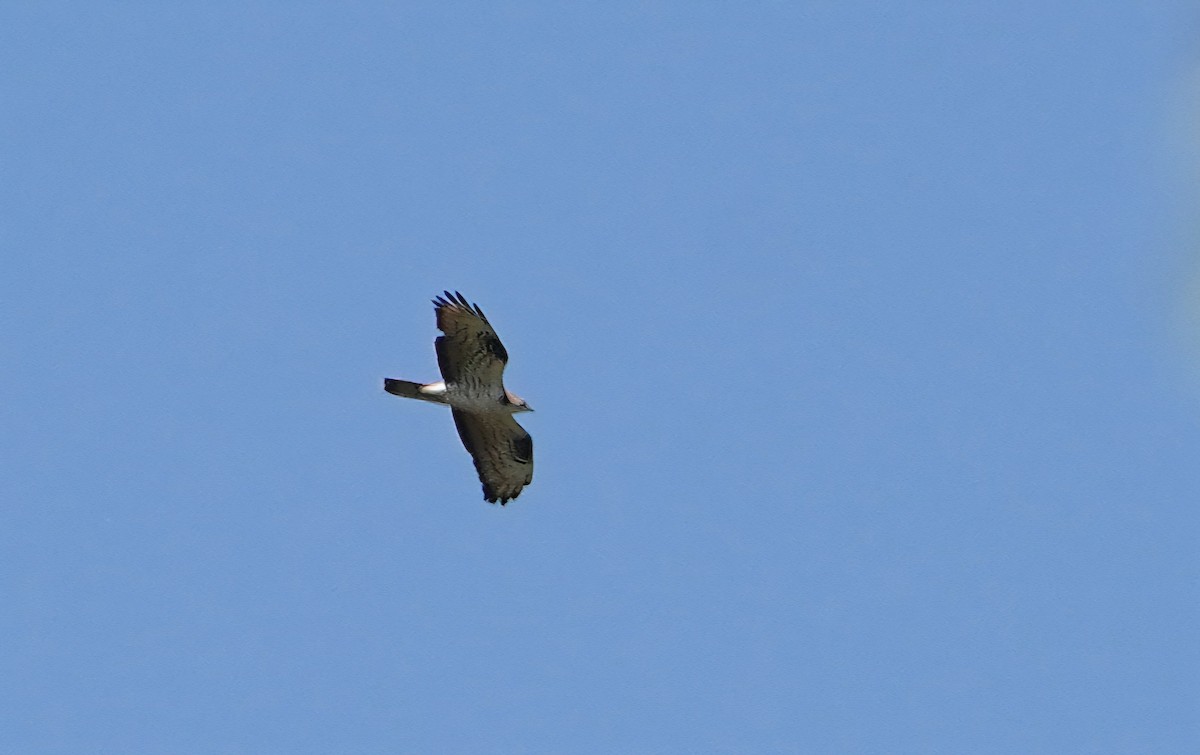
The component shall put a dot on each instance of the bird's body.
(472, 359)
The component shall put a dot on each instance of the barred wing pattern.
(470, 353)
(502, 450)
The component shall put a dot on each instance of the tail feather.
(405, 388)
(409, 389)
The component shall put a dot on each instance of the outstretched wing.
(502, 450)
(470, 352)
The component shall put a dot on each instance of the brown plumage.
(472, 359)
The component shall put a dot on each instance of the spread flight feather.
(471, 360)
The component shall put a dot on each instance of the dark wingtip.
(492, 496)
(456, 299)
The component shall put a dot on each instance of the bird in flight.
(471, 359)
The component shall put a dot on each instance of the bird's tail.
(409, 389)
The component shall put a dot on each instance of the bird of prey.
(471, 359)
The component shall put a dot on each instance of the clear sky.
(858, 336)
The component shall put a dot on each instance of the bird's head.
(516, 403)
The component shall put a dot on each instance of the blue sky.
(859, 337)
